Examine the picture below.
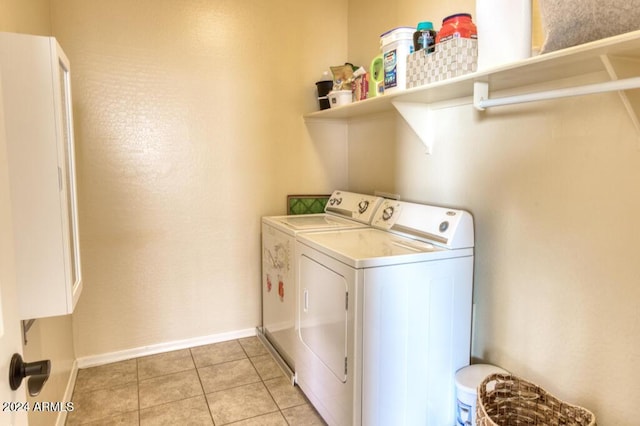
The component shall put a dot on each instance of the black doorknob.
(37, 370)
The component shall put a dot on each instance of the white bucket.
(396, 45)
(467, 381)
(340, 97)
(504, 31)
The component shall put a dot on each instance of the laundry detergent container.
(467, 381)
(395, 46)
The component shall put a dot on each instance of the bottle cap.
(426, 25)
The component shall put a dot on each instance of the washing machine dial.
(363, 206)
(335, 201)
(387, 213)
(443, 226)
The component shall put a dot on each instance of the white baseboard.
(95, 360)
(68, 393)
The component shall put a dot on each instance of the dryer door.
(324, 314)
(328, 369)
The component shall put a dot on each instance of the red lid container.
(458, 25)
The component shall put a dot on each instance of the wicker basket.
(504, 399)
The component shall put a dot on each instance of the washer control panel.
(360, 207)
(387, 214)
(438, 225)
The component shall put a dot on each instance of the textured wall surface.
(28, 17)
(189, 129)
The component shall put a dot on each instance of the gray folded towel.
(571, 22)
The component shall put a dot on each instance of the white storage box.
(452, 58)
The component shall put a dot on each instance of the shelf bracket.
(614, 71)
(480, 94)
(418, 116)
(26, 325)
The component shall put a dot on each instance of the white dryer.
(385, 316)
(344, 210)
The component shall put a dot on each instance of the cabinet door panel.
(40, 154)
(68, 179)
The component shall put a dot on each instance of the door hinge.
(345, 365)
(346, 301)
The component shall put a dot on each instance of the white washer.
(344, 210)
(385, 316)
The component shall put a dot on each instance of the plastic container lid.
(468, 378)
(426, 25)
(458, 15)
(400, 33)
(397, 30)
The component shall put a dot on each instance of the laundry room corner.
(550, 186)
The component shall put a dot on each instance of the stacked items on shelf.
(348, 83)
(455, 53)
(409, 57)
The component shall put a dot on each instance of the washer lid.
(313, 222)
(343, 210)
(369, 247)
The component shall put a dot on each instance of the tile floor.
(235, 382)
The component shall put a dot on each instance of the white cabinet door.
(40, 153)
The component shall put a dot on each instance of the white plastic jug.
(504, 31)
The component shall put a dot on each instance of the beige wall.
(553, 189)
(29, 17)
(189, 129)
(49, 338)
